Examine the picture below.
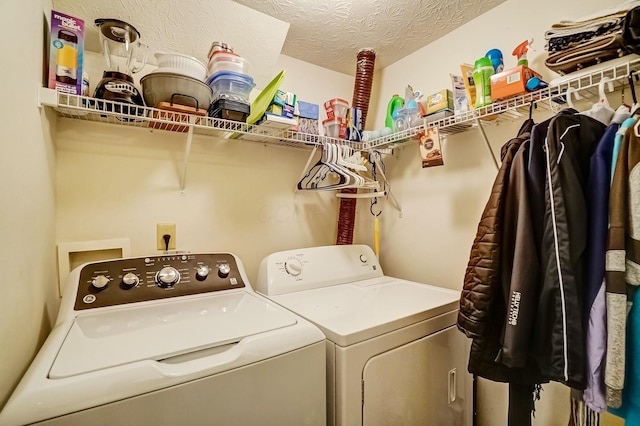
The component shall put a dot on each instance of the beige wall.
(27, 170)
(116, 182)
(441, 206)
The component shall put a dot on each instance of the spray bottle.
(521, 52)
(394, 105)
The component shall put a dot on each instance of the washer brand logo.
(514, 309)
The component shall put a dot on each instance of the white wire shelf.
(103, 111)
(551, 98)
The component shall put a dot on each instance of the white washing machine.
(394, 354)
(168, 340)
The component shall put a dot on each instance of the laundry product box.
(281, 110)
(442, 100)
(511, 82)
(307, 114)
(283, 98)
(66, 53)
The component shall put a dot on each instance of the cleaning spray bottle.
(521, 52)
(394, 105)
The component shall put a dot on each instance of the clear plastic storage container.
(225, 61)
(231, 85)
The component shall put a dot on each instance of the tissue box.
(511, 82)
(66, 53)
(442, 100)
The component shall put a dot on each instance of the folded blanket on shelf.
(568, 33)
(586, 54)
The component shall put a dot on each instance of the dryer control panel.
(121, 281)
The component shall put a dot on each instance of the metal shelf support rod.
(185, 164)
(486, 141)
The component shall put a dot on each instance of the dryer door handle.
(452, 391)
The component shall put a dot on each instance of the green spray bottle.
(395, 103)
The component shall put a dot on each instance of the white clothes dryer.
(172, 339)
(394, 354)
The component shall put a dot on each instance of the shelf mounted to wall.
(517, 108)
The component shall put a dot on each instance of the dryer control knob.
(100, 282)
(293, 267)
(130, 280)
(167, 276)
(223, 270)
(202, 271)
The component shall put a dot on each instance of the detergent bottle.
(394, 105)
(482, 72)
(521, 52)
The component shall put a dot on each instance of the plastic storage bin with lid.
(231, 85)
(227, 61)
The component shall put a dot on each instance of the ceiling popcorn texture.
(330, 33)
(326, 33)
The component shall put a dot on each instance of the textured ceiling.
(328, 33)
(189, 27)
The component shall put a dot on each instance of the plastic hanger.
(568, 93)
(602, 96)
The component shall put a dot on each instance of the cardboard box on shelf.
(511, 82)
(66, 53)
(442, 100)
(307, 110)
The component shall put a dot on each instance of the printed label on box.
(430, 150)
(66, 52)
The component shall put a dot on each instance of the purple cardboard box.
(66, 53)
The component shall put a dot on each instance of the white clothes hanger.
(568, 93)
(602, 96)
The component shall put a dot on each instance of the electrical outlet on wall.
(166, 229)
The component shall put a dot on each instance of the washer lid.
(120, 336)
(361, 310)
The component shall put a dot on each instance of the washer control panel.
(121, 281)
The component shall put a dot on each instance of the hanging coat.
(483, 311)
(594, 299)
(622, 259)
(559, 331)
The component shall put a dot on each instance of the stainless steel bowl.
(161, 86)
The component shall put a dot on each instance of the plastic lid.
(483, 62)
(230, 75)
(336, 101)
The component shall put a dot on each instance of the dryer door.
(424, 382)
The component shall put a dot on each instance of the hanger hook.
(632, 86)
(374, 201)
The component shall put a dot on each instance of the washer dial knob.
(202, 271)
(293, 267)
(224, 270)
(167, 277)
(130, 280)
(100, 282)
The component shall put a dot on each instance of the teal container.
(482, 72)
